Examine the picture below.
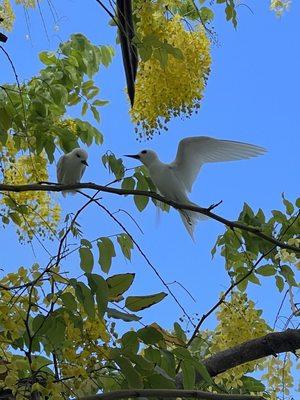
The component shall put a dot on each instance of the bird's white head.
(80, 155)
(147, 157)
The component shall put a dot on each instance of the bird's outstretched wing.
(194, 151)
(60, 168)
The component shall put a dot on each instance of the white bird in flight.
(71, 167)
(174, 180)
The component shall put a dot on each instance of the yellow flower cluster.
(68, 123)
(280, 6)
(278, 377)
(87, 346)
(288, 257)
(27, 3)
(239, 322)
(7, 14)
(34, 213)
(83, 352)
(12, 312)
(176, 88)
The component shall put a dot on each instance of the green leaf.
(145, 52)
(149, 335)
(116, 314)
(252, 384)
(106, 253)
(84, 296)
(202, 370)
(86, 243)
(95, 113)
(266, 270)
(288, 274)
(118, 284)
(84, 108)
(56, 331)
(133, 378)
(126, 244)
(279, 283)
(188, 374)
(162, 56)
(129, 343)
(153, 355)
(206, 14)
(141, 362)
(59, 94)
(86, 259)
(138, 303)
(279, 216)
(39, 324)
(254, 279)
(48, 57)
(69, 301)
(242, 286)
(142, 184)
(182, 353)
(160, 381)
(229, 12)
(174, 51)
(100, 103)
(140, 201)
(107, 54)
(115, 165)
(288, 205)
(179, 332)
(92, 92)
(15, 217)
(168, 363)
(128, 183)
(99, 288)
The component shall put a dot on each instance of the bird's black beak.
(136, 156)
(84, 162)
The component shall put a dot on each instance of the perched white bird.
(71, 167)
(174, 180)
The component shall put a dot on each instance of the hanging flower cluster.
(174, 66)
(34, 213)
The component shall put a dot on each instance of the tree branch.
(169, 393)
(51, 187)
(3, 38)
(270, 344)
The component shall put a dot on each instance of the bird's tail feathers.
(66, 192)
(190, 219)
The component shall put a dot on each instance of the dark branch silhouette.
(270, 344)
(124, 22)
(129, 50)
(52, 187)
(3, 38)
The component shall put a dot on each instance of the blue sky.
(252, 95)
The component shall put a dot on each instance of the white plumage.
(71, 167)
(174, 180)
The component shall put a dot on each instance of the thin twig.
(142, 254)
(233, 285)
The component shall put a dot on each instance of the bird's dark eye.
(144, 152)
(77, 155)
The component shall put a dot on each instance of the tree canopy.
(74, 335)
